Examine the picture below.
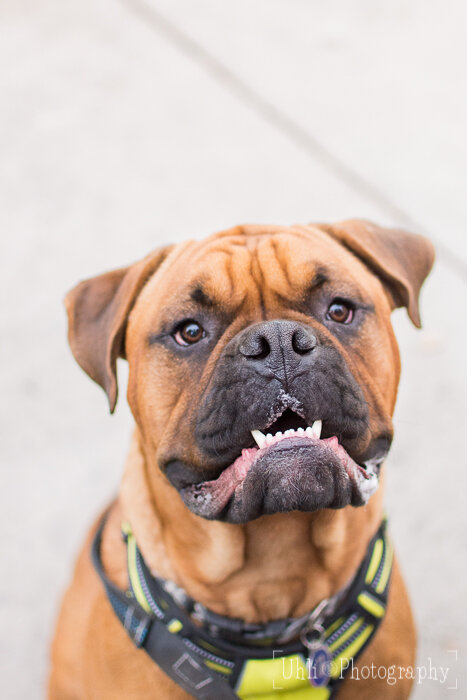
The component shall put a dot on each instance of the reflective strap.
(174, 626)
(332, 628)
(374, 561)
(200, 668)
(283, 677)
(342, 638)
(168, 650)
(341, 662)
(371, 605)
(134, 619)
(177, 660)
(133, 573)
(386, 571)
(218, 667)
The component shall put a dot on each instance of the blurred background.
(126, 124)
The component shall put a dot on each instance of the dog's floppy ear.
(401, 260)
(98, 310)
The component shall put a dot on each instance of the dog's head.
(263, 365)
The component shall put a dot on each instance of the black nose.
(275, 343)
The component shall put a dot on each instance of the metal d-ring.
(314, 627)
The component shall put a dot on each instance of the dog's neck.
(276, 566)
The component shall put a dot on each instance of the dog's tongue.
(291, 473)
(221, 489)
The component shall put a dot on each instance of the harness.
(213, 657)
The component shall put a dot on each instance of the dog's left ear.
(98, 309)
(401, 260)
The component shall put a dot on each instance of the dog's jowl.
(246, 554)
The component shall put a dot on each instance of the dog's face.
(263, 365)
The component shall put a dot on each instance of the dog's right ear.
(400, 259)
(98, 309)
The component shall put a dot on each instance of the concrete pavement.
(131, 123)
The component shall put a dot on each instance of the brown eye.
(189, 333)
(340, 312)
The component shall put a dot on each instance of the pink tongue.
(220, 490)
(233, 476)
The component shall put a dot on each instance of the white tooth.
(309, 432)
(300, 430)
(268, 437)
(259, 438)
(289, 432)
(278, 434)
(316, 428)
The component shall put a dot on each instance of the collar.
(215, 657)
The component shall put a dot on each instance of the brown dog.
(262, 329)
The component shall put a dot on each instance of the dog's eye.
(340, 312)
(188, 333)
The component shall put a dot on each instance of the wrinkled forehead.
(256, 264)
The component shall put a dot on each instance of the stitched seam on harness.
(343, 628)
(350, 640)
(153, 605)
(207, 655)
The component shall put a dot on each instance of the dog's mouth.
(289, 466)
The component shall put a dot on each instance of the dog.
(248, 531)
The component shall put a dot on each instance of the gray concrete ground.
(128, 123)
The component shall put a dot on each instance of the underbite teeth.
(316, 428)
(313, 431)
(259, 438)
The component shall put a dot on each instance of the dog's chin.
(291, 473)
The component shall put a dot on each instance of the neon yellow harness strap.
(278, 677)
(284, 678)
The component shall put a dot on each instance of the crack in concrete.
(310, 144)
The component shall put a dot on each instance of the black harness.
(213, 657)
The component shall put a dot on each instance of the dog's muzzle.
(281, 424)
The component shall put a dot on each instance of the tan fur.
(276, 566)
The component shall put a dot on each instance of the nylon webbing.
(210, 666)
(167, 649)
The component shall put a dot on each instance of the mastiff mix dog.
(247, 554)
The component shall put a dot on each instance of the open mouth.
(289, 467)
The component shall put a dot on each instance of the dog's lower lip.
(181, 475)
(215, 498)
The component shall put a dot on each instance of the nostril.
(274, 340)
(256, 348)
(303, 341)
